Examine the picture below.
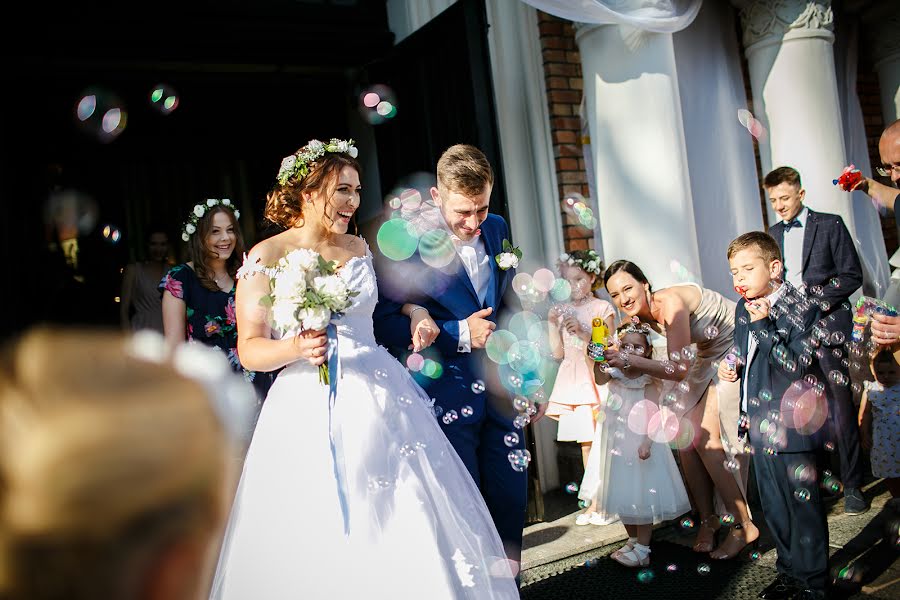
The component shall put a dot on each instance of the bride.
(367, 498)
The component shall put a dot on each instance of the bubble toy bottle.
(731, 361)
(599, 334)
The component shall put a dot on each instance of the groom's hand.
(480, 328)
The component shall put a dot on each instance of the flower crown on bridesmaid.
(298, 164)
(190, 226)
(586, 260)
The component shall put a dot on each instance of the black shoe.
(782, 588)
(854, 502)
(809, 595)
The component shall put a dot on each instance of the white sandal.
(628, 547)
(638, 556)
(584, 518)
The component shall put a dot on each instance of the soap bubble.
(478, 386)
(164, 98)
(801, 494)
(511, 439)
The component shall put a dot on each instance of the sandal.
(584, 518)
(638, 556)
(738, 535)
(708, 542)
(628, 547)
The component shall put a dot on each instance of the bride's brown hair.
(284, 204)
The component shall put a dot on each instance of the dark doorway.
(254, 81)
(442, 78)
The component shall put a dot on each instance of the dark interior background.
(255, 80)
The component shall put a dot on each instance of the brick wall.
(562, 74)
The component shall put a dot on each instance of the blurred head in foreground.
(113, 471)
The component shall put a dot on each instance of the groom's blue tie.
(795, 222)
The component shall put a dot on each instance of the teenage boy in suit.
(819, 255)
(780, 412)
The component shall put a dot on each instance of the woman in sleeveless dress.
(141, 305)
(359, 495)
(690, 316)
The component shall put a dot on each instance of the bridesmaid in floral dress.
(198, 296)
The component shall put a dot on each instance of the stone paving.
(562, 560)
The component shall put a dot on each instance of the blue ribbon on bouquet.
(334, 433)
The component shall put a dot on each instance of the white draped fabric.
(709, 164)
(661, 16)
(869, 238)
(724, 184)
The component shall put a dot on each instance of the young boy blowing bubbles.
(781, 413)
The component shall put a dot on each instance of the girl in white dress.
(362, 496)
(576, 400)
(645, 486)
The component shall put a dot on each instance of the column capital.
(770, 21)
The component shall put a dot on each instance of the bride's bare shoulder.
(354, 244)
(268, 251)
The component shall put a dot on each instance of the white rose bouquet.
(307, 292)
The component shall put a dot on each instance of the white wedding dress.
(395, 516)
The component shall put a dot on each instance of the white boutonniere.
(510, 257)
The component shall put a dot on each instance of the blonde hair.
(764, 243)
(105, 459)
(464, 169)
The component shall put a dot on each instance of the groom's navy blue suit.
(450, 297)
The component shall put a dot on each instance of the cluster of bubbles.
(575, 205)
(428, 367)
(519, 459)
(377, 104)
(101, 114)
(164, 99)
(752, 124)
(111, 234)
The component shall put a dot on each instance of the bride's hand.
(312, 346)
(424, 330)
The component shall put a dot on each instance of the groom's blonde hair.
(464, 169)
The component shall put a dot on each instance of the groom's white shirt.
(476, 261)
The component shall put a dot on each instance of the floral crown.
(297, 164)
(190, 226)
(590, 264)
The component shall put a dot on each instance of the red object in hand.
(742, 290)
(849, 179)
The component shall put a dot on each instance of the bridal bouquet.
(307, 293)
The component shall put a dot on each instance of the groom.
(465, 299)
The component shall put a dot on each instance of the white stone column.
(882, 26)
(788, 44)
(638, 149)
